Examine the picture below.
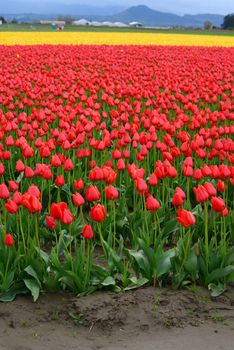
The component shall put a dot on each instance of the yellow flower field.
(99, 38)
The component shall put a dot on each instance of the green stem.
(36, 231)
(22, 231)
(206, 235)
(188, 191)
(7, 264)
(101, 239)
(114, 224)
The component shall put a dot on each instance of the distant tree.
(14, 21)
(66, 19)
(208, 25)
(3, 20)
(228, 21)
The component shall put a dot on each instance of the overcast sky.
(174, 6)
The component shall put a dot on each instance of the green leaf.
(43, 255)
(72, 280)
(31, 272)
(191, 264)
(54, 258)
(10, 294)
(147, 250)
(114, 258)
(64, 241)
(20, 177)
(170, 227)
(34, 288)
(136, 283)
(141, 261)
(108, 281)
(220, 273)
(216, 290)
(164, 262)
(65, 189)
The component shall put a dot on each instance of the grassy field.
(47, 28)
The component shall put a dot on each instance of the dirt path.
(147, 318)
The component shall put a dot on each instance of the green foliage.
(228, 21)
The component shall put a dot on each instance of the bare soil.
(147, 318)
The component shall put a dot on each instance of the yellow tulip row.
(102, 38)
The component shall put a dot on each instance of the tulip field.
(117, 168)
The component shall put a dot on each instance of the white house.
(62, 23)
(0, 22)
(136, 24)
(107, 24)
(96, 24)
(120, 25)
(81, 22)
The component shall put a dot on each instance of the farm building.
(136, 24)
(81, 22)
(96, 24)
(107, 24)
(120, 25)
(62, 23)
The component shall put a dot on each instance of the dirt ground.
(147, 318)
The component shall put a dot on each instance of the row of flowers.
(114, 38)
(113, 174)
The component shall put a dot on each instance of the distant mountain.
(149, 17)
(143, 14)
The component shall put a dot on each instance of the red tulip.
(201, 194)
(111, 192)
(59, 181)
(34, 191)
(92, 194)
(68, 165)
(4, 193)
(55, 162)
(141, 185)
(186, 218)
(79, 184)
(17, 197)
(187, 171)
(67, 216)
(50, 222)
(2, 169)
(224, 212)
(87, 232)
(9, 240)
(116, 154)
(153, 180)
(31, 202)
(55, 211)
(210, 189)
(217, 204)
(19, 166)
(220, 186)
(61, 212)
(197, 175)
(180, 192)
(98, 213)
(120, 164)
(13, 186)
(11, 206)
(177, 200)
(78, 200)
(152, 204)
(28, 172)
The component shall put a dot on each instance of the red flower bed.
(127, 147)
